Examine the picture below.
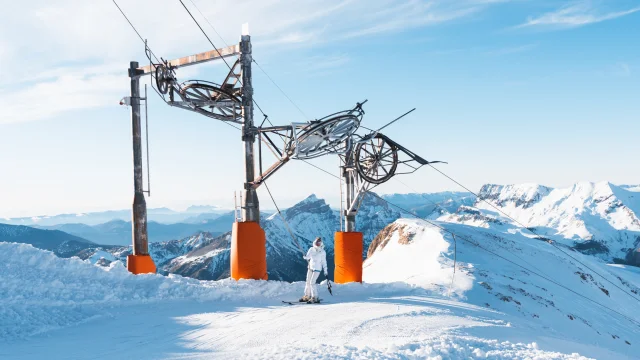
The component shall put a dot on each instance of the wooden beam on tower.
(197, 58)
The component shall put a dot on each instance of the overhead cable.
(533, 232)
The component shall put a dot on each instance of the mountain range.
(192, 214)
(598, 219)
(59, 242)
(520, 263)
(118, 232)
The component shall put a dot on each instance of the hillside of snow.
(67, 308)
(600, 219)
(418, 253)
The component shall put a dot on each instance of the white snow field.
(54, 308)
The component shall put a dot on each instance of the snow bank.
(40, 291)
(442, 347)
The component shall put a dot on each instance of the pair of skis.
(301, 303)
(310, 303)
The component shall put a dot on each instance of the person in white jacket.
(317, 258)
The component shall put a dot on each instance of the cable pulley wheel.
(325, 135)
(376, 160)
(199, 94)
(163, 79)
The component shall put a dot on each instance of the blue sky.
(506, 91)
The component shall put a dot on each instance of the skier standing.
(317, 258)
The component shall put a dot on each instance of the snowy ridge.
(525, 195)
(418, 253)
(597, 218)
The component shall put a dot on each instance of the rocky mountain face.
(161, 252)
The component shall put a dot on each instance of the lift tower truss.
(232, 101)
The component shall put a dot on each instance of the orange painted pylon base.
(141, 264)
(348, 257)
(248, 251)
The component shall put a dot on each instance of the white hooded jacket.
(317, 258)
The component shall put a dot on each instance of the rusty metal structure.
(232, 101)
(368, 161)
(140, 261)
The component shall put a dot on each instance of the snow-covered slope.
(596, 218)
(418, 253)
(57, 308)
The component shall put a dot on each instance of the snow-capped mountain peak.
(598, 217)
(525, 195)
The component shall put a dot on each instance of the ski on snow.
(300, 303)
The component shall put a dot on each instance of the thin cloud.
(575, 15)
(72, 91)
(621, 69)
(82, 58)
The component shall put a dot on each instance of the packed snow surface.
(70, 309)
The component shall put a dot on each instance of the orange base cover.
(348, 257)
(248, 251)
(141, 264)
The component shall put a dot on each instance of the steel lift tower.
(140, 261)
(248, 244)
(232, 102)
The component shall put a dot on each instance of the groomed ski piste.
(409, 307)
